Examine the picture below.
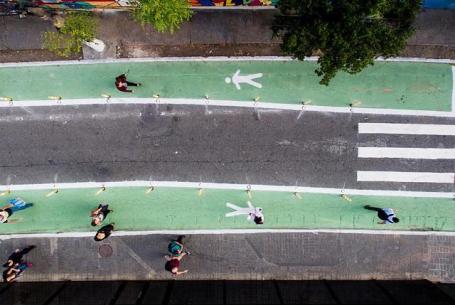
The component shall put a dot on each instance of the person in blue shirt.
(387, 215)
(13, 205)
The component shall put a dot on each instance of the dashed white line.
(411, 129)
(406, 153)
(226, 103)
(453, 88)
(418, 177)
(226, 186)
(228, 231)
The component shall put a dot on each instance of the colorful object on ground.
(8, 7)
(104, 4)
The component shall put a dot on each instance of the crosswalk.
(401, 153)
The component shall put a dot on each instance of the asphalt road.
(194, 143)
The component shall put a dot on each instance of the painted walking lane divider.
(419, 86)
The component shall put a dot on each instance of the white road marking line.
(206, 59)
(453, 88)
(388, 176)
(228, 231)
(226, 103)
(225, 186)
(412, 129)
(406, 153)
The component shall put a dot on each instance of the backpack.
(174, 247)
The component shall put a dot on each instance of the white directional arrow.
(237, 79)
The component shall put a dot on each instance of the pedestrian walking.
(253, 213)
(100, 213)
(173, 263)
(13, 205)
(17, 256)
(122, 83)
(176, 246)
(104, 232)
(12, 273)
(387, 215)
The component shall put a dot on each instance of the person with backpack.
(387, 215)
(176, 246)
(12, 273)
(17, 256)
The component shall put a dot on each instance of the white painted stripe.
(230, 231)
(226, 103)
(226, 186)
(453, 88)
(406, 153)
(206, 59)
(414, 129)
(424, 177)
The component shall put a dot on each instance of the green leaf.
(163, 15)
(347, 34)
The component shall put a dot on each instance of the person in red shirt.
(121, 83)
(173, 264)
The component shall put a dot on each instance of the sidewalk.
(285, 256)
(209, 33)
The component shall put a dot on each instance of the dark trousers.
(381, 214)
(131, 83)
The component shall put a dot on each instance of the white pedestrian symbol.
(237, 79)
(254, 213)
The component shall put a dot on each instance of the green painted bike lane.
(393, 85)
(185, 209)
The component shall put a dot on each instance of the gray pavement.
(283, 256)
(209, 33)
(188, 143)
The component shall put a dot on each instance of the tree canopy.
(347, 35)
(77, 28)
(163, 15)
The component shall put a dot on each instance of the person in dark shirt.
(104, 232)
(5, 214)
(99, 214)
(17, 255)
(121, 83)
(387, 215)
(13, 272)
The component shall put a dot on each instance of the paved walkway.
(192, 209)
(209, 33)
(291, 256)
(392, 85)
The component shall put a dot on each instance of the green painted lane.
(183, 208)
(395, 85)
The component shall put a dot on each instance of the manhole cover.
(105, 250)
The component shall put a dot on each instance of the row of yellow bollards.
(200, 192)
